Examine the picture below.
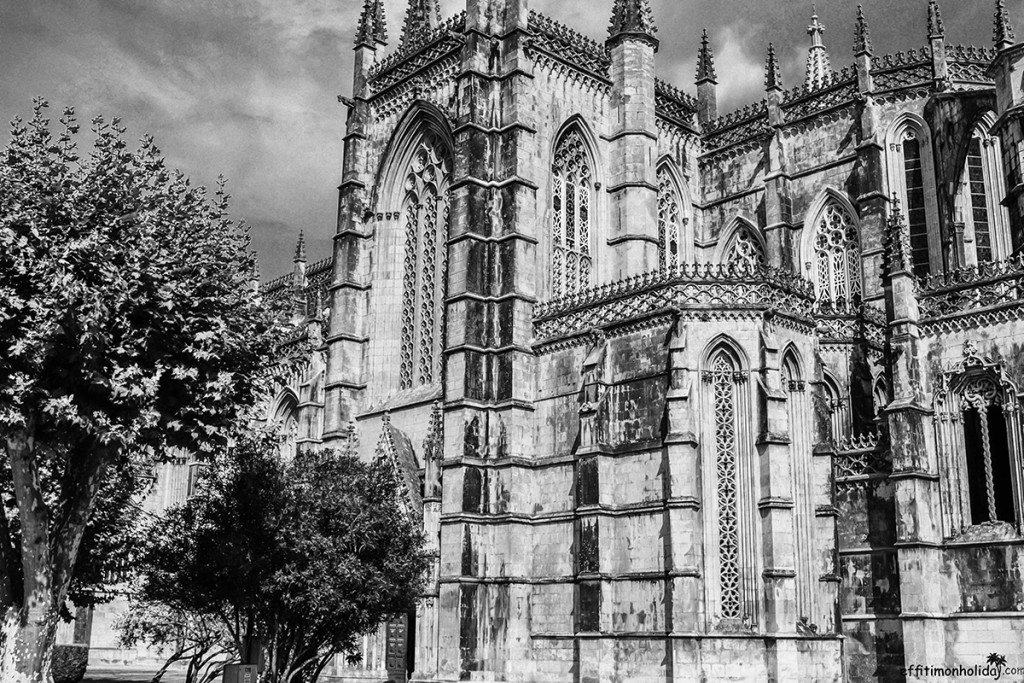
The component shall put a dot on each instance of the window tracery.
(838, 410)
(670, 222)
(723, 383)
(911, 177)
(838, 279)
(979, 433)
(426, 234)
(982, 218)
(571, 216)
(746, 249)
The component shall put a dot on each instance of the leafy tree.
(197, 639)
(297, 559)
(127, 326)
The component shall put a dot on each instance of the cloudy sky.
(248, 88)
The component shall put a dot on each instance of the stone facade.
(679, 396)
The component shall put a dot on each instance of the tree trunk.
(47, 558)
(26, 655)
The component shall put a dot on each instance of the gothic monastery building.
(679, 395)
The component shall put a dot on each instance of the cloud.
(247, 88)
(740, 74)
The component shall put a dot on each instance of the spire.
(862, 41)
(632, 17)
(935, 26)
(372, 29)
(300, 248)
(422, 16)
(706, 62)
(772, 74)
(819, 69)
(1004, 31)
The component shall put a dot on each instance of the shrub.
(69, 662)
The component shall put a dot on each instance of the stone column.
(488, 362)
(632, 182)
(914, 461)
(350, 281)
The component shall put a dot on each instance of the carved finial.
(897, 241)
(971, 353)
(632, 17)
(935, 26)
(386, 418)
(819, 67)
(421, 16)
(1004, 35)
(300, 248)
(706, 62)
(433, 444)
(772, 73)
(372, 29)
(862, 40)
(351, 439)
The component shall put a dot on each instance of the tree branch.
(81, 487)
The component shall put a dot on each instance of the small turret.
(632, 18)
(421, 17)
(1003, 33)
(632, 185)
(819, 67)
(936, 29)
(372, 29)
(707, 82)
(772, 73)
(937, 40)
(862, 36)
(371, 33)
(300, 248)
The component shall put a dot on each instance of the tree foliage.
(303, 556)
(127, 327)
(198, 640)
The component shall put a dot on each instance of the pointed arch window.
(837, 278)
(880, 396)
(801, 453)
(745, 249)
(670, 221)
(979, 210)
(980, 438)
(912, 179)
(425, 213)
(722, 378)
(286, 423)
(838, 407)
(572, 183)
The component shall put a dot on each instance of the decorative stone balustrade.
(964, 290)
(859, 456)
(711, 287)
